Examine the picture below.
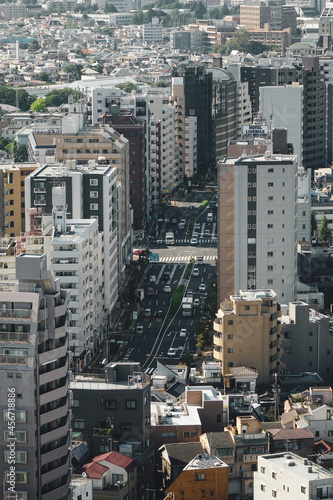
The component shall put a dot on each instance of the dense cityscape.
(166, 251)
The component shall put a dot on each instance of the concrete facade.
(34, 365)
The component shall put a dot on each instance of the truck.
(187, 306)
(169, 238)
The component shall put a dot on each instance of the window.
(230, 336)
(182, 495)
(310, 348)
(75, 403)
(287, 335)
(269, 226)
(274, 475)
(20, 456)
(111, 404)
(246, 308)
(230, 322)
(270, 212)
(93, 194)
(263, 487)
(116, 478)
(78, 424)
(20, 415)
(203, 494)
(131, 404)
(274, 494)
(270, 184)
(270, 281)
(230, 350)
(269, 254)
(230, 364)
(263, 470)
(219, 418)
(200, 477)
(270, 198)
(18, 436)
(93, 182)
(93, 206)
(303, 489)
(125, 426)
(21, 477)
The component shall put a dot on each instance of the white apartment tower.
(91, 193)
(76, 259)
(257, 225)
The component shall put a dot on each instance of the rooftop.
(300, 466)
(205, 462)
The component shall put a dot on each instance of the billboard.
(255, 130)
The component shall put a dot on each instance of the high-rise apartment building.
(257, 225)
(12, 212)
(314, 114)
(246, 334)
(91, 193)
(35, 416)
(198, 102)
(76, 259)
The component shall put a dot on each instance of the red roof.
(93, 470)
(117, 459)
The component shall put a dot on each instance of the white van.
(210, 217)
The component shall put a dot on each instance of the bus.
(213, 203)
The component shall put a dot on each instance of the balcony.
(14, 336)
(250, 458)
(217, 325)
(40, 202)
(20, 314)
(9, 359)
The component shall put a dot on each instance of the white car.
(194, 241)
(172, 352)
(202, 287)
(152, 278)
(183, 332)
(195, 272)
(167, 289)
(197, 225)
(196, 303)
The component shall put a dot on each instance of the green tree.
(109, 7)
(324, 230)
(74, 70)
(3, 143)
(200, 11)
(225, 10)
(60, 96)
(34, 45)
(127, 87)
(8, 96)
(43, 76)
(256, 47)
(19, 153)
(314, 225)
(38, 105)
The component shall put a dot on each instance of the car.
(191, 207)
(167, 289)
(167, 220)
(152, 278)
(196, 303)
(174, 221)
(159, 241)
(197, 225)
(172, 352)
(194, 241)
(166, 275)
(147, 313)
(182, 221)
(202, 287)
(160, 220)
(183, 332)
(139, 329)
(199, 260)
(150, 291)
(195, 272)
(207, 232)
(189, 293)
(159, 314)
(194, 235)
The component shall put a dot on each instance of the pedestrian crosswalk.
(200, 240)
(185, 258)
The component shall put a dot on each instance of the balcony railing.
(15, 313)
(14, 336)
(9, 359)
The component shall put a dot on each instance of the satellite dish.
(84, 474)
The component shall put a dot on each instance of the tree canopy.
(8, 96)
(74, 70)
(324, 230)
(60, 96)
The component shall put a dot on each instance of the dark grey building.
(35, 423)
(113, 414)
